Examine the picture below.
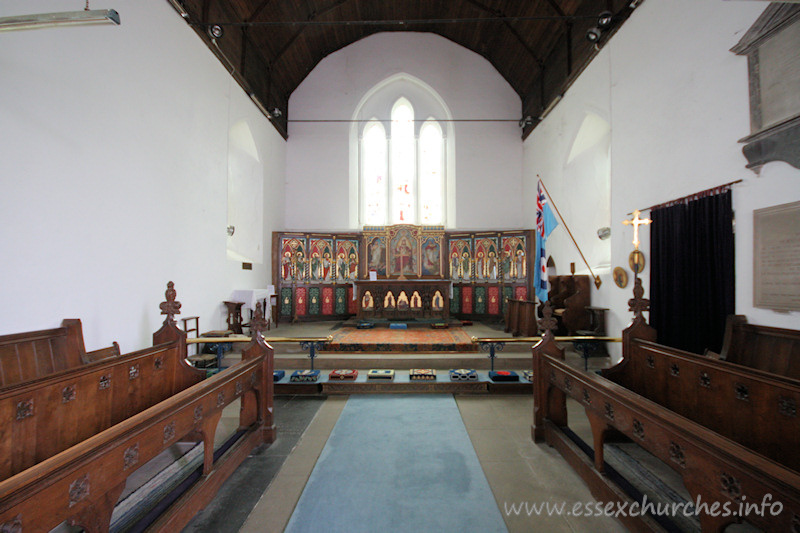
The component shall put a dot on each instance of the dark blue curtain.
(692, 272)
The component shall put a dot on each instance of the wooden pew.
(28, 356)
(731, 433)
(85, 430)
(773, 350)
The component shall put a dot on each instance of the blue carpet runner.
(397, 463)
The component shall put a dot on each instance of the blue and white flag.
(545, 223)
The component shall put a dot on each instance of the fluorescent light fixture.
(550, 107)
(260, 106)
(67, 18)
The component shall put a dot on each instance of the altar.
(403, 299)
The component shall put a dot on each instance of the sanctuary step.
(401, 383)
(410, 322)
(330, 361)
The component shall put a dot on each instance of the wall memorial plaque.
(776, 257)
(771, 46)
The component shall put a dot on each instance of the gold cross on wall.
(636, 222)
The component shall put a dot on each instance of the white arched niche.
(377, 103)
(588, 170)
(245, 196)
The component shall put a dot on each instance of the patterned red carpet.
(401, 340)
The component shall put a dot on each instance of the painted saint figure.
(326, 266)
(520, 265)
(506, 265)
(342, 272)
(316, 266)
(286, 266)
(491, 266)
(430, 257)
(377, 256)
(455, 266)
(300, 266)
(353, 266)
(402, 259)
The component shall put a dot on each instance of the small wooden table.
(234, 316)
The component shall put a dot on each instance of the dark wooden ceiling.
(270, 46)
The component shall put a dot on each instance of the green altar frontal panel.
(340, 304)
(314, 303)
(286, 301)
(508, 293)
(480, 300)
(455, 301)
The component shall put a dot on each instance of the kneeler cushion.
(277, 375)
(344, 374)
(463, 374)
(422, 374)
(304, 376)
(365, 325)
(380, 374)
(503, 375)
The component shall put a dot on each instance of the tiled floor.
(244, 488)
(521, 472)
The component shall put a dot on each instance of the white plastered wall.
(114, 172)
(677, 102)
(488, 155)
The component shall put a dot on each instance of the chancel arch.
(402, 156)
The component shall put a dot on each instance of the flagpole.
(597, 281)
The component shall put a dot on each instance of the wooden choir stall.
(731, 432)
(75, 425)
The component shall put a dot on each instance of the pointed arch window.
(402, 173)
(431, 175)
(374, 173)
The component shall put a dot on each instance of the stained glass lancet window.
(374, 175)
(431, 179)
(402, 176)
(403, 164)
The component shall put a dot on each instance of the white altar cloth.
(252, 296)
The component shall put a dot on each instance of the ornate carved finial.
(549, 324)
(258, 324)
(638, 304)
(171, 307)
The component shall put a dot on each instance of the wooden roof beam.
(297, 34)
(514, 32)
(257, 11)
